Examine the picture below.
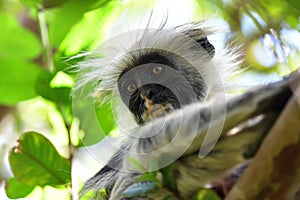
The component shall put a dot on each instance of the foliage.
(33, 56)
(25, 161)
(39, 36)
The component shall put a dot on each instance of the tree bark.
(275, 170)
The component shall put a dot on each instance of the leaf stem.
(70, 145)
(71, 154)
(47, 49)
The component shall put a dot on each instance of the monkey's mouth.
(156, 110)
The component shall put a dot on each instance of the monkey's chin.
(156, 111)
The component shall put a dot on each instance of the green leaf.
(17, 80)
(83, 104)
(44, 3)
(206, 194)
(169, 177)
(85, 35)
(32, 3)
(294, 3)
(17, 42)
(61, 19)
(58, 95)
(53, 3)
(136, 164)
(36, 162)
(16, 189)
(106, 118)
(149, 176)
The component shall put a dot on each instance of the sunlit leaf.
(57, 94)
(43, 3)
(17, 80)
(275, 12)
(62, 18)
(91, 195)
(206, 194)
(36, 162)
(16, 189)
(61, 79)
(90, 30)
(88, 195)
(15, 41)
(207, 8)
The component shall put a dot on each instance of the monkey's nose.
(146, 93)
(148, 103)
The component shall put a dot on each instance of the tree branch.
(274, 172)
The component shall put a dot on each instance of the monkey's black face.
(151, 101)
(152, 90)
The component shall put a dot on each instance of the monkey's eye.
(131, 87)
(156, 70)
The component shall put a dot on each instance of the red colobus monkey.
(174, 84)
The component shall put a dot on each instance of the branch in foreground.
(274, 172)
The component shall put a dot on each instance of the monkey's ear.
(194, 31)
(207, 46)
(200, 36)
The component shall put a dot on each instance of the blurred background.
(39, 41)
